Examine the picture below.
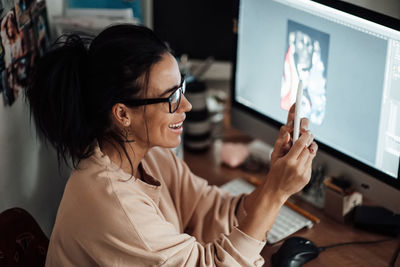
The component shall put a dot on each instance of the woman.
(115, 109)
(11, 39)
(14, 52)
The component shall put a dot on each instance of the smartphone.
(297, 114)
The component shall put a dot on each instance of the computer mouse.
(294, 252)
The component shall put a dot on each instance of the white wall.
(54, 7)
(29, 175)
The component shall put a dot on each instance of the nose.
(185, 105)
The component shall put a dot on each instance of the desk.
(327, 232)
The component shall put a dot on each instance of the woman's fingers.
(313, 149)
(290, 117)
(304, 125)
(281, 144)
(283, 137)
(304, 122)
(308, 165)
(303, 142)
(303, 158)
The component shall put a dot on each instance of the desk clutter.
(340, 199)
(377, 219)
(335, 195)
(204, 122)
(197, 135)
(252, 157)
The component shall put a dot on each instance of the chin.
(172, 143)
(176, 143)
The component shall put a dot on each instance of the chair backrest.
(22, 241)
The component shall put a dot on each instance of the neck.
(117, 155)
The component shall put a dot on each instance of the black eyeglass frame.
(150, 101)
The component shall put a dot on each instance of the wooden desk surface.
(208, 165)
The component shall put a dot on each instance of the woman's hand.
(285, 139)
(290, 171)
(290, 166)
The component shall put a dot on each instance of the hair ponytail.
(73, 88)
(55, 98)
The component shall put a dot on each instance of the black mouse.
(294, 252)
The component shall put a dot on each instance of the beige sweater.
(107, 218)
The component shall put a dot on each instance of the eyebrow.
(170, 90)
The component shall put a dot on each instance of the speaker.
(197, 130)
(377, 219)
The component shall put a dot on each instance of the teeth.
(175, 126)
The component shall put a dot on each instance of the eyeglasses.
(174, 100)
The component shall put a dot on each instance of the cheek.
(158, 125)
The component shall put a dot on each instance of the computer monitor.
(348, 59)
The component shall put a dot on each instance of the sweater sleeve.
(205, 210)
(157, 240)
(211, 216)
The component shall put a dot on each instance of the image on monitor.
(306, 59)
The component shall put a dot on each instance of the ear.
(121, 115)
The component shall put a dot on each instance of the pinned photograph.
(25, 64)
(306, 59)
(2, 67)
(41, 28)
(5, 6)
(22, 11)
(15, 52)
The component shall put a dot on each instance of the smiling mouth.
(176, 126)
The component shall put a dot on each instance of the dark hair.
(74, 86)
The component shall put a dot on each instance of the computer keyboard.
(287, 222)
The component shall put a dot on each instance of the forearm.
(262, 209)
(290, 171)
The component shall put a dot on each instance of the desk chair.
(22, 241)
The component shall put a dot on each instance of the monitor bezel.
(347, 8)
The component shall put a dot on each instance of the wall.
(29, 174)
(55, 8)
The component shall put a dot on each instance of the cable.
(354, 243)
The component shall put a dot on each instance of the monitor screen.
(349, 67)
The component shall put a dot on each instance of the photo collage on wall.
(25, 36)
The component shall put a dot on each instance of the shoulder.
(97, 200)
(163, 164)
(165, 158)
(160, 153)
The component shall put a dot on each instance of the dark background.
(197, 28)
